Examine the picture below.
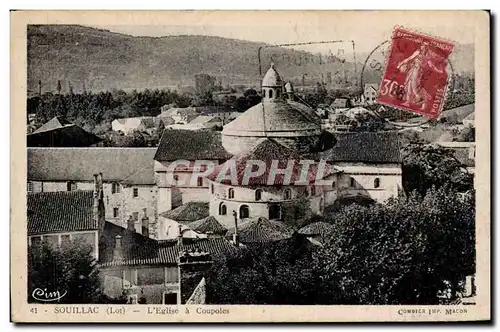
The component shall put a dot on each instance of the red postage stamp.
(416, 75)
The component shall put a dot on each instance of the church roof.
(188, 212)
(262, 230)
(267, 151)
(190, 145)
(277, 115)
(370, 147)
(272, 78)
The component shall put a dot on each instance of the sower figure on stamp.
(414, 67)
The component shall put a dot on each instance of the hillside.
(103, 60)
(106, 60)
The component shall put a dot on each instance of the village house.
(129, 125)
(128, 185)
(59, 132)
(61, 217)
(370, 92)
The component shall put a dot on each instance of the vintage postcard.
(250, 166)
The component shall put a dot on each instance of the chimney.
(95, 208)
(179, 236)
(145, 223)
(130, 224)
(118, 252)
(236, 238)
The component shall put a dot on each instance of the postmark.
(416, 75)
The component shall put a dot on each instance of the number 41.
(34, 310)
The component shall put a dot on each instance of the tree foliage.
(425, 166)
(69, 268)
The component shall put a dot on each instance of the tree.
(425, 166)
(69, 268)
(395, 254)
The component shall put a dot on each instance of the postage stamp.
(212, 166)
(416, 76)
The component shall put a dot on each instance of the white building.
(128, 125)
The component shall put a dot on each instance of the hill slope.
(103, 60)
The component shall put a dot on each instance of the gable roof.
(126, 165)
(67, 136)
(188, 212)
(262, 230)
(139, 250)
(207, 225)
(190, 144)
(267, 151)
(62, 211)
(205, 119)
(458, 113)
(370, 147)
(56, 122)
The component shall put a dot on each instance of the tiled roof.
(54, 212)
(261, 230)
(66, 136)
(276, 115)
(207, 225)
(190, 145)
(127, 165)
(56, 122)
(188, 212)
(317, 228)
(370, 147)
(267, 151)
(139, 250)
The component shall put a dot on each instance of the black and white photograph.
(321, 160)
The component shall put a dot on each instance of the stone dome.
(272, 78)
(288, 123)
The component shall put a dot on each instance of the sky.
(367, 29)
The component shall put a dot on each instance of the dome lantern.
(272, 85)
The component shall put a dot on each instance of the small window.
(231, 193)
(274, 212)
(200, 182)
(65, 239)
(313, 190)
(334, 184)
(36, 240)
(136, 192)
(270, 93)
(352, 182)
(107, 199)
(258, 194)
(376, 183)
(169, 298)
(244, 212)
(212, 188)
(71, 186)
(115, 212)
(30, 186)
(115, 188)
(176, 179)
(222, 209)
(288, 194)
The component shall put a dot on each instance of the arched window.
(244, 211)
(376, 183)
(277, 93)
(274, 211)
(313, 190)
(222, 209)
(288, 193)
(270, 93)
(176, 179)
(258, 194)
(231, 193)
(71, 186)
(353, 182)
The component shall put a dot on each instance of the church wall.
(364, 175)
